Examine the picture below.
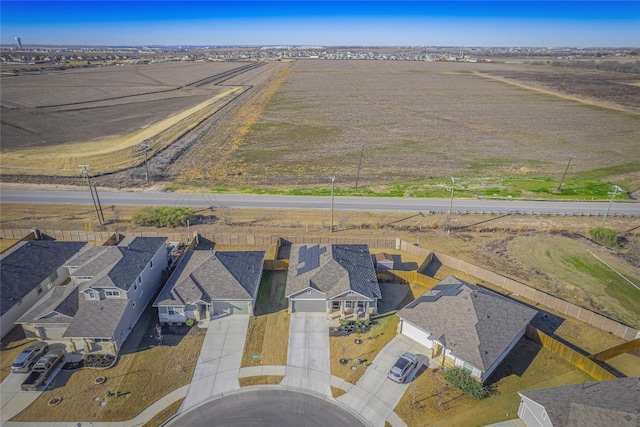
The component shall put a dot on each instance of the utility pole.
(453, 186)
(564, 174)
(145, 147)
(359, 164)
(99, 204)
(85, 172)
(616, 190)
(333, 179)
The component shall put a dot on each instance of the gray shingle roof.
(96, 318)
(26, 266)
(116, 266)
(111, 266)
(207, 276)
(340, 268)
(59, 306)
(476, 324)
(600, 403)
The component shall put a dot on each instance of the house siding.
(532, 414)
(151, 281)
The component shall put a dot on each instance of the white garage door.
(416, 334)
(309, 306)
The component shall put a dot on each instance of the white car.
(404, 365)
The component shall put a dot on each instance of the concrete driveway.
(308, 355)
(12, 398)
(375, 396)
(219, 362)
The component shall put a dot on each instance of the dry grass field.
(420, 120)
(500, 128)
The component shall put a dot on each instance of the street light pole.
(616, 191)
(333, 179)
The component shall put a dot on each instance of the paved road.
(311, 202)
(257, 408)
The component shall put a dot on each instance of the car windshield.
(22, 356)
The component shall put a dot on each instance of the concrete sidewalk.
(218, 365)
(375, 396)
(308, 364)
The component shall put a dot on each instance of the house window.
(39, 289)
(53, 276)
(467, 367)
(141, 292)
(151, 264)
(91, 295)
(135, 286)
(112, 294)
(175, 310)
(139, 279)
(544, 415)
(133, 304)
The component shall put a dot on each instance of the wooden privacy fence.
(532, 294)
(569, 354)
(617, 350)
(276, 264)
(405, 277)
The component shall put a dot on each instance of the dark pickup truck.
(42, 369)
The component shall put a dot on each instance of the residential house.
(466, 325)
(337, 279)
(110, 288)
(28, 271)
(208, 284)
(600, 403)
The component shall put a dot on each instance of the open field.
(55, 121)
(499, 128)
(420, 121)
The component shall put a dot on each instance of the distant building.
(19, 41)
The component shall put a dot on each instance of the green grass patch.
(614, 286)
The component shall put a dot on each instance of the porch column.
(342, 303)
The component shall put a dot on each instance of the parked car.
(28, 357)
(404, 365)
(42, 369)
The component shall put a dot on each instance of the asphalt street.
(317, 202)
(258, 408)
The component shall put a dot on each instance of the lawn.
(145, 371)
(268, 334)
(260, 380)
(431, 401)
(382, 331)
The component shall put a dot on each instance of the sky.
(322, 23)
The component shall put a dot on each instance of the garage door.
(416, 334)
(309, 306)
(230, 307)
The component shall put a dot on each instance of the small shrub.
(164, 216)
(466, 382)
(190, 322)
(604, 236)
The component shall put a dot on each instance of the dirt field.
(416, 124)
(53, 122)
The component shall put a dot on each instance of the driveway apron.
(218, 365)
(308, 354)
(12, 398)
(375, 396)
